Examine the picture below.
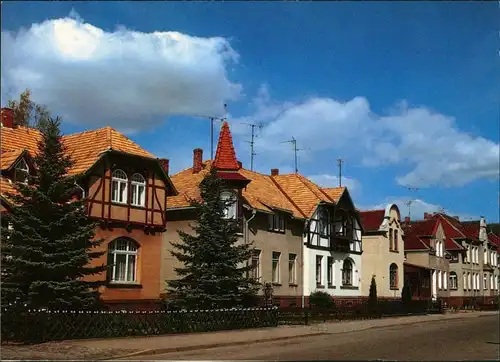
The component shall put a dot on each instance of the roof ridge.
(287, 196)
(451, 224)
(301, 178)
(372, 210)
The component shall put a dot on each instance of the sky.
(405, 93)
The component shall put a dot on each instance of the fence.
(385, 308)
(42, 326)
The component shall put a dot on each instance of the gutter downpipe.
(307, 227)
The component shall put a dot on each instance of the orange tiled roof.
(225, 156)
(85, 148)
(8, 158)
(6, 186)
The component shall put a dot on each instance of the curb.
(154, 351)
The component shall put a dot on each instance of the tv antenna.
(339, 164)
(293, 141)
(252, 142)
(212, 119)
(408, 203)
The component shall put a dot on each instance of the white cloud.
(325, 180)
(417, 208)
(127, 79)
(428, 143)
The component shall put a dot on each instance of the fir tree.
(215, 270)
(406, 293)
(46, 252)
(372, 298)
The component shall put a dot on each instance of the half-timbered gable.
(124, 187)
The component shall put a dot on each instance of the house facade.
(425, 258)
(289, 220)
(125, 189)
(383, 251)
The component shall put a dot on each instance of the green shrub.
(319, 299)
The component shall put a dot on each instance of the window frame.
(256, 256)
(21, 168)
(393, 276)
(330, 276)
(453, 279)
(319, 270)
(323, 223)
(347, 272)
(116, 181)
(275, 271)
(114, 252)
(276, 222)
(135, 186)
(226, 196)
(395, 241)
(391, 246)
(292, 269)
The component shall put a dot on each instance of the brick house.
(285, 217)
(383, 251)
(125, 188)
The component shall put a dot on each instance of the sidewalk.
(133, 346)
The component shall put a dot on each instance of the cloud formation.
(94, 77)
(428, 143)
(325, 180)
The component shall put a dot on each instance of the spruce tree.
(47, 250)
(215, 270)
(372, 298)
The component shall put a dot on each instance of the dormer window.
(119, 187)
(138, 185)
(21, 172)
(277, 222)
(229, 204)
(323, 222)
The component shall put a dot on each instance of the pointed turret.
(225, 156)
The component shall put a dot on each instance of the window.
(292, 274)
(453, 280)
(396, 240)
(467, 257)
(255, 263)
(330, 271)
(485, 281)
(439, 281)
(445, 281)
(347, 272)
(276, 267)
(123, 255)
(393, 276)
(492, 282)
(465, 281)
(21, 172)
(469, 281)
(391, 242)
(138, 185)
(485, 256)
(323, 222)
(319, 262)
(119, 187)
(230, 204)
(277, 222)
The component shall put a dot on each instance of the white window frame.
(230, 208)
(137, 183)
(276, 277)
(131, 249)
(349, 282)
(323, 222)
(440, 280)
(21, 168)
(256, 256)
(292, 268)
(119, 178)
(330, 271)
(445, 281)
(454, 281)
(277, 222)
(319, 271)
(485, 281)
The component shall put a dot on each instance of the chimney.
(240, 165)
(165, 164)
(275, 172)
(427, 216)
(407, 220)
(456, 218)
(7, 117)
(197, 160)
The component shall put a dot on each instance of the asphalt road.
(462, 339)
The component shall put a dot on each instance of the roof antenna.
(339, 164)
(252, 143)
(212, 119)
(293, 141)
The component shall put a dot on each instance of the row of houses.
(306, 237)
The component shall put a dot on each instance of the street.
(461, 339)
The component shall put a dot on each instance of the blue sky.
(405, 92)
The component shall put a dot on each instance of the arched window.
(123, 257)
(323, 222)
(119, 187)
(396, 241)
(393, 276)
(347, 272)
(230, 204)
(21, 171)
(138, 185)
(391, 244)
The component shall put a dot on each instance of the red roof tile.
(225, 156)
(372, 219)
(494, 239)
